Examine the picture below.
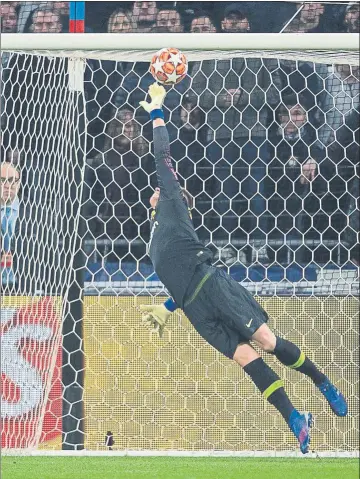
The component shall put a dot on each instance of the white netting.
(43, 129)
(269, 150)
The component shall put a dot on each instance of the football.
(169, 66)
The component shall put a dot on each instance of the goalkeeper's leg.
(290, 355)
(272, 389)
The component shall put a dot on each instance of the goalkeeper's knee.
(265, 339)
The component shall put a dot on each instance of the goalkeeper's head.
(187, 198)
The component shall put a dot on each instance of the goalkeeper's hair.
(189, 199)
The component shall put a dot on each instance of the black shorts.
(222, 311)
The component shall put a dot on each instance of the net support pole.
(73, 351)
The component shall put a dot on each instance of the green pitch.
(176, 468)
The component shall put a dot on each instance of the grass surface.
(176, 468)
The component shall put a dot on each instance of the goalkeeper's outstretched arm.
(166, 176)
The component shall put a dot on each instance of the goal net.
(268, 147)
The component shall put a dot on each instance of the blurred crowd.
(268, 148)
(177, 17)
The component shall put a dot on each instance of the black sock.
(290, 355)
(270, 385)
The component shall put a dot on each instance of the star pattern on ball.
(175, 58)
(158, 65)
(172, 77)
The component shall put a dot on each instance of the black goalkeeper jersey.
(174, 248)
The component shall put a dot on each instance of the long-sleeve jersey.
(175, 249)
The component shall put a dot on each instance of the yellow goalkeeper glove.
(155, 317)
(157, 94)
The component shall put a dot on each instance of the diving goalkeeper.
(223, 312)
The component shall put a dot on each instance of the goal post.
(73, 359)
(101, 375)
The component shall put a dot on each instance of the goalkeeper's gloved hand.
(157, 94)
(155, 317)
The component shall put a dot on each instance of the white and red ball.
(169, 66)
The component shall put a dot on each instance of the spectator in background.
(239, 96)
(351, 20)
(10, 184)
(191, 136)
(135, 77)
(342, 199)
(296, 163)
(308, 18)
(202, 23)
(299, 77)
(192, 121)
(194, 168)
(46, 20)
(168, 20)
(298, 133)
(25, 14)
(352, 201)
(339, 98)
(352, 232)
(123, 133)
(61, 7)
(13, 156)
(29, 235)
(144, 16)
(120, 22)
(235, 19)
(28, 9)
(117, 175)
(8, 17)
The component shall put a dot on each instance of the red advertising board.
(31, 360)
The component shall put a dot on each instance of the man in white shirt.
(10, 184)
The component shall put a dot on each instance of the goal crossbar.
(342, 47)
